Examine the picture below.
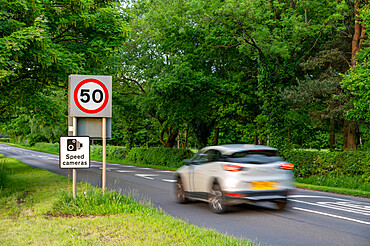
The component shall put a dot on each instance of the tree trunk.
(332, 133)
(356, 36)
(215, 136)
(293, 3)
(350, 131)
(260, 141)
(171, 137)
(345, 134)
(184, 144)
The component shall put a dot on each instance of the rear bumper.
(239, 197)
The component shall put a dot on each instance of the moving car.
(233, 174)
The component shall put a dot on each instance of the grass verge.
(36, 208)
(336, 190)
(349, 185)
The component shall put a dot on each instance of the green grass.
(347, 182)
(350, 185)
(36, 208)
(344, 191)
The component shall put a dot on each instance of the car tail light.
(234, 194)
(232, 168)
(287, 166)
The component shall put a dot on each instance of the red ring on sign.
(91, 111)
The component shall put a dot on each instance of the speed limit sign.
(90, 96)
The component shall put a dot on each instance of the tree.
(356, 79)
(277, 36)
(42, 42)
(314, 97)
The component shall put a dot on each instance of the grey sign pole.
(104, 152)
(90, 96)
(74, 170)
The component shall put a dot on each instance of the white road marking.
(146, 176)
(169, 180)
(351, 206)
(305, 196)
(110, 168)
(164, 171)
(332, 215)
(124, 171)
(345, 209)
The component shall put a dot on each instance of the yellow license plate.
(265, 185)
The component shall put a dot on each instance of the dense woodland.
(190, 73)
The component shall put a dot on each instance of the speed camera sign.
(74, 152)
(90, 96)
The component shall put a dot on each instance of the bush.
(349, 163)
(165, 157)
(92, 201)
(52, 147)
(113, 152)
(3, 172)
(5, 140)
(116, 152)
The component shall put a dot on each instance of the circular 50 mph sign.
(91, 96)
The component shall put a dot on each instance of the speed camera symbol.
(73, 145)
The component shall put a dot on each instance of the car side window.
(213, 155)
(199, 158)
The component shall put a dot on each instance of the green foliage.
(92, 201)
(48, 147)
(357, 82)
(325, 163)
(113, 152)
(42, 42)
(5, 140)
(116, 152)
(165, 157)
(343, 181)
(3, 172)
(185, 69)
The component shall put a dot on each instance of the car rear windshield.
(255, 157)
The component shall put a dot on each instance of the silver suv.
(234, 174)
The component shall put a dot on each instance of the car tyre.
(180, 192)
(217, 200)
(281, 204)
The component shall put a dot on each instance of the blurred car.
(233, 174)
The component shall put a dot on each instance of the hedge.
(3, 172)
(113, 152)
(308, 163)
(5, 140)
(158, 156)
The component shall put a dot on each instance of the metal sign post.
(90, 98)
(104, 154)
(74, 154)
(74, 173)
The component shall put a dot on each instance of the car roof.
(229, 149)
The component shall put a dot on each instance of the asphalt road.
(314, 218)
